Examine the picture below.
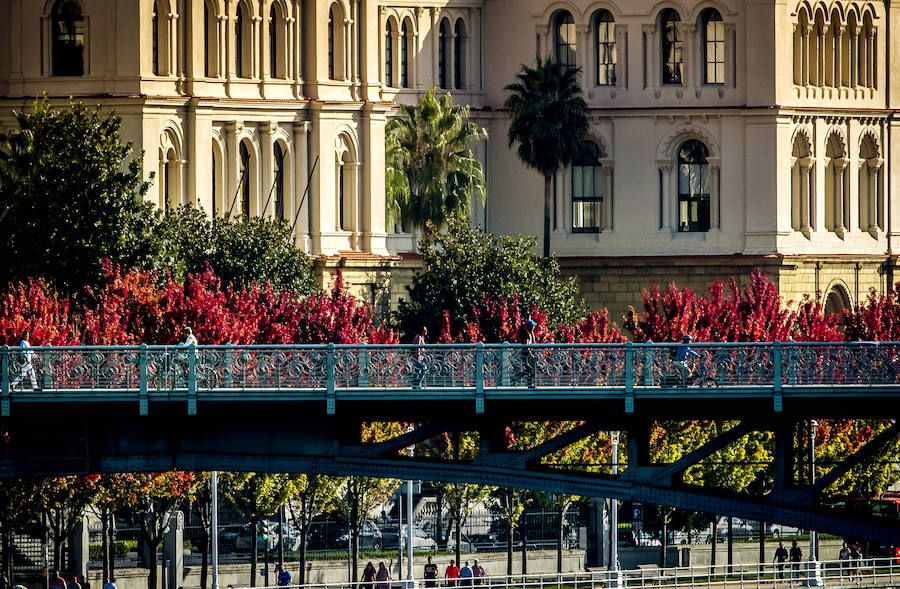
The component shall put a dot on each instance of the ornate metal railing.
(326, 371)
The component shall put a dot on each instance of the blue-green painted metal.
(632, 373)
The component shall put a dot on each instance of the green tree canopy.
(464, 264)
(430, 169)
(71, 194)
(549, 119)
(240, 250)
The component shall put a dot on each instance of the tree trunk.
(714, 541)
(456, 519)
(204, 555)
(254, 541)
(664, 541)
(152, 578)
(112, 545)
(524, 537)
(762, 541)
(354, 556)
(509, 546)
(304, 539)
(439, 504)
(730, 541)
(6, 542)
(547, 214)
(104, 543)
(559, 539)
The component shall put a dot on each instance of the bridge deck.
(769, 375)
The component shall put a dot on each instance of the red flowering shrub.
(877, 319)
(753, 313)
(35, 307)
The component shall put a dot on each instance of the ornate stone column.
(839, 165)
(222, 46)
(652, 75)
(348, 48)
(232, 165)
(606, 220)
(665, 205)
(838, 57)
(804, 54)
(621, 56)
(690, 74)
(255, 35)
(805, 196)
(267, 173)
(854, 56)
(714, 205)
(820, 56)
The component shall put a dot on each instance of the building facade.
(724, 135)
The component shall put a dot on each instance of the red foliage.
(35, 307)
(877, 319)
(143, 307)
(503, 320)
(753, 313)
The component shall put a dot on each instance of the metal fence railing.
(870, 571)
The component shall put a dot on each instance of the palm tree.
(429, 168)
(549, 119)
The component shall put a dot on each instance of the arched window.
(671, 47)
(443, 40)
(693, 186)
(68, 39)
(389, 53)
(803, 212)
(587, 189)
(244, 179)
(837, 194)
(210, 41)
(155, 49)
(459, 54)
(279, 182)
(241, 21)
(713, 47)
(564, 38)
(405, 43)
(345, 186)
(871, 193)
(277, 41)
(605, 31)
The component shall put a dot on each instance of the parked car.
(421, 539)
(369, 537)
(264, 537)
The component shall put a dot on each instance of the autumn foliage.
(755, 312)
(138, 306)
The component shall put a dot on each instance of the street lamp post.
(214, 524)
(815, 573)
(410, 583)
(615, 575)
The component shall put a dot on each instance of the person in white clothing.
(189, 338)
(27, 363)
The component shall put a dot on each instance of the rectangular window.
(606, 52)
(693, 197)
(714, 52)
(587, 198)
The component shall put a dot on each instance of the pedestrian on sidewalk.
(451, 574)
(27, 368)
(781, 556)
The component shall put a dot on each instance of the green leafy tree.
(18, 501)
(239, 250)
(155, 497)
(549, 120)
(511, 504)
(429, 166)
(255, 496)
(315, 494)
(62, 501)
(361, 496)
(71, 195)
(463, 265)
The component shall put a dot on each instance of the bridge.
(298, 408)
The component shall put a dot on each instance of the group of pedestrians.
(454, 576)
(851, 558)
(781, 558)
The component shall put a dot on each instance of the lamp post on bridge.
(814, 578)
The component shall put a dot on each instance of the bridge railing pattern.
(473, 367)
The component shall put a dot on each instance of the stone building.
(724, 135)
